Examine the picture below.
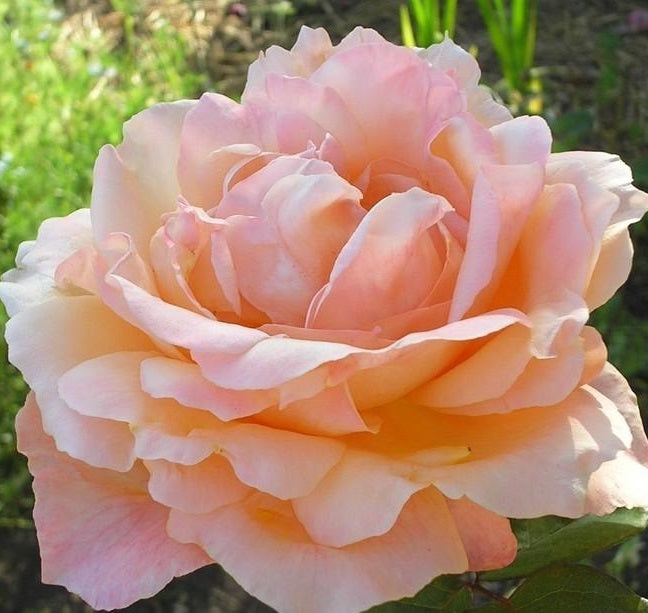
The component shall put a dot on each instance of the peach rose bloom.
(330, 338)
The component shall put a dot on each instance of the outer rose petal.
(615, 257)
(622, 481)
(100, 534)
(536, 462)
(73, 330)
(136, 182)
(463, 68)
(32, 281)
(487, 537)
(313, 46)
(261, 544)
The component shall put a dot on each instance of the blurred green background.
(71, 72)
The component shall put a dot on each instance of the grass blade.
(407, 33)
(450, 17)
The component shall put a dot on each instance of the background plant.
(512, 27)
(427, 21)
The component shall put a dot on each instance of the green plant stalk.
(426, 22)
(450, 17)
(407, 32)
(512, 30)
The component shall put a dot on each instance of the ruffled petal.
(135, 183)
(534, 462)
(100, 534)
(32, 281)
(622, 481)
(389, 265)
(293, 574)
(72, 330)
(487, 537)
(195, 488)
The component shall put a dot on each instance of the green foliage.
(548, 540)
(573, 588)
(431, 21)
(512, 30)
(448, 593)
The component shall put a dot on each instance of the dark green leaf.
(577, 589)
(550, 540)
(447, 593)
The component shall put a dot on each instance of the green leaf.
(577, 589)
(550, 540)
(447, 593)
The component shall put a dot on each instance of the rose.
(330, 337)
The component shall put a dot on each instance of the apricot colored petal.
(612, 267)
(293, 574)
(537, 461)
(212, 126)
(558, 227)
(614, 260)
(303, 112)
(281, 256)
(70, 331)
(463, 68)
(502, 201)
(172, 324)
(496, 366)
(389, 265)
(574, 365)
(282, 463)
(134, 558)
(342, 508)
(135, 183)
(403, 91)
(401, 365)
(109, 386)
(612, 174)
(332, 412)
(197, 488)
(487, 537)
(622, 481)
(175, 250)
(523, 140)
(163, 377)
(467, 146)
(33, 279)
(313, 46)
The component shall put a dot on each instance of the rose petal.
(622, 481)
(281, 254)
(341, 509)
(205, 153)
(163, 377)
(32, 281)
(487, 537)
(293, 574)
(463, 68)
(197, 488)
(388, 266)
(135, 183)
(502, 201)
(73, 330)
(282, 463)
(537, 461)
(100, 535)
